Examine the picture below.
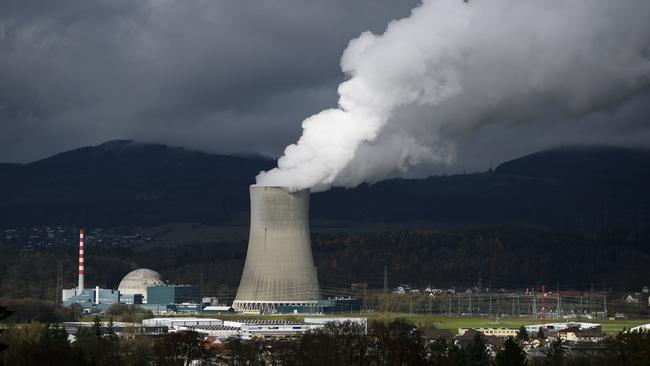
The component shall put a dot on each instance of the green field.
(452, 324)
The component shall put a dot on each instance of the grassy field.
(452, 324)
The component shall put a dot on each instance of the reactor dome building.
(137, 281)
(279, 268)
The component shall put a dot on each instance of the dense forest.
(504, 257)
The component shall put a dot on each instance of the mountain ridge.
(124, 182)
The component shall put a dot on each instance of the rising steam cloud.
(452, 66)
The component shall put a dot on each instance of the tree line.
(396, 342)
(509, 257)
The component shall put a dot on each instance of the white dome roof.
(137, 281)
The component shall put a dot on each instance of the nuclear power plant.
(279, 274)
(142, 287)
(279, 269)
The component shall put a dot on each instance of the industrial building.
(337, 305)
(279, 268)
(360, 321)
(573, 336)
(183, 299)
(98, 299)
(173, 294)
(181, 322)
(143, 287)
(135, 299)
(220, 332)
(492, 332)
(248, 329)
(640, 328)
(91, 299)
(533, 329)
(269, 329)
(216, 309)
(137, 281)
(120, 328)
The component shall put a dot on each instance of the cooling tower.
(279, 267)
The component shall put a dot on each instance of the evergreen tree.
(477, 353)
(510, 355)
(629, 349)
(97, 327)
(455, 357)
(138, 351)
(398, 342)
(437, 351)
(93, 347)
(4, 314)
(239, 352)
(555, 354)
(179, 348)
(54, 347)
(112, 345)
(522, 334)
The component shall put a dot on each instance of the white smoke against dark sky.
(450, 67)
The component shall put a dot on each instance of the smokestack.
(279, 267)
(81, 260)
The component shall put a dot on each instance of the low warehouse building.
(182, 322)
(269, 329)
(220, 332)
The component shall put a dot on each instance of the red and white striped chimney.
(81, 261)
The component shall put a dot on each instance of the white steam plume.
(452, 66)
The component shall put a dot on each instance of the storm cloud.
(225, 76)
(451, 67)
(221, 76)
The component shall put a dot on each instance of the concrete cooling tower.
(279, 269)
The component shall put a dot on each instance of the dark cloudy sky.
(216, 75)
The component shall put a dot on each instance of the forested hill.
(126, 182)
(596, 164)
(573, 188)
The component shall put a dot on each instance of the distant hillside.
(583, 163)
(125, 182)
(575, 189)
